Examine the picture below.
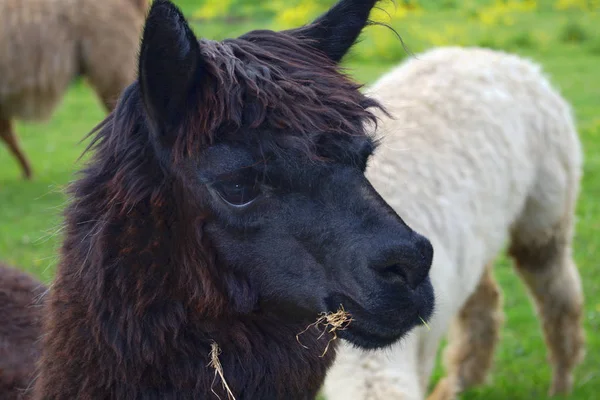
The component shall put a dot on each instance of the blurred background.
(562, 35)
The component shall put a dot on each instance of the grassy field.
(566, 44)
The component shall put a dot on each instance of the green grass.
(31, 211)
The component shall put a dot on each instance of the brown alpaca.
(45, 44)
(20, 328)
(226, 204)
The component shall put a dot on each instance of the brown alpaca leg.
(7, 134)
(472, 340)
(555, 285)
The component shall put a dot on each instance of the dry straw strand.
(215, 351)
(337, 321)
(424, 323)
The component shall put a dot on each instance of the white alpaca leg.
(472, 340)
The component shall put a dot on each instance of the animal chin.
(370, 340)
(370, 330)
(374, 333)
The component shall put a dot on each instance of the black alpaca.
(226, 203)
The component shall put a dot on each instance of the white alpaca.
(481, 150)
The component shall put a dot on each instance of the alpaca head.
(266, 137)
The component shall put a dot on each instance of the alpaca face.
(268, 139)
(310, 237)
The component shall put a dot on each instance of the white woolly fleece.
(481, 149)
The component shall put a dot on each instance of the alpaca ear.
(170, 65)
(336, 31)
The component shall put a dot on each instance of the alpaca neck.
(131, 316)
(262, 358)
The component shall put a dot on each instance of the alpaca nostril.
(406, 262)
(405, 274)
(394, 271)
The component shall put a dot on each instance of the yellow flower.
(298, 15)
(583, 5)
(385, 14)
(213, 8)
(488, 18)
(503, 12)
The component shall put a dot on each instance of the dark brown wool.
(20, 328)
(139, 294)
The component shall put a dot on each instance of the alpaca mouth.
(371, 329)
(369, 340)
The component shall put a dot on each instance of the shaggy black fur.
(226, 202)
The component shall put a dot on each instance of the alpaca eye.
(237, 194)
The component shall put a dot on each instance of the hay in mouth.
(332, 322)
